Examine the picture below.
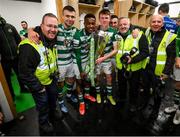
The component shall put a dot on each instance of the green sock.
(60, 94)
(87, 89)
(109, 90)
(98, 89)
(69, 89)
(81, 99)
(176, 96)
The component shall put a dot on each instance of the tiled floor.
(100, 119)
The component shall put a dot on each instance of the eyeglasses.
(51, 26)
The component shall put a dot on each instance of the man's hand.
(177, 62)
(135, 33)
(163, 76)
(33, 36)
(100, 60)
(42, 90)
(83, 75)
(129, 59)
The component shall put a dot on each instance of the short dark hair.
(48, 15)
(89, 15)
(69, 8)
(114, 16)
(105, 11)
(164, 8)
(23, 21)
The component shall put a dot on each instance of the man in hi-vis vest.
(130, 61)
(38, 71)
(161, 60)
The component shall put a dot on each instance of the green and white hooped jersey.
(67, 40)
(85, 45)
(110, 32)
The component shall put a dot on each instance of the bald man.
(161, 60)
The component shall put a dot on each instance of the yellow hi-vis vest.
(161, 53)
(47, 63)
(148, 35)
(125, 47)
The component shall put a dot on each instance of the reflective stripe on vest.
(43, 71)
(125, 47)
(148, 35)
(161, 53)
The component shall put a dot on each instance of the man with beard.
(130, 66)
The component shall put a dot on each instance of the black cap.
(2, 21)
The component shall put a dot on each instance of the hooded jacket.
(9, 40)
(29, 59)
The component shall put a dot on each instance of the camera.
(125, 57)
(54, 76)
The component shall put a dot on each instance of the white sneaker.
(171, 109)
(176, 119)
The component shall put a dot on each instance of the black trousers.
(151, 81)
(46, 101)
(8, 66)
(134, 82)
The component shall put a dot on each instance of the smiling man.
(131, 67)
(157, 35)
(161, 59)
(106, 38)
(86, 55)
(69, 53)
(38, 71)
(68, 50)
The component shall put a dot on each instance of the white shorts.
(66, 71)
(76, 70)
(104, 67)
(176, 73)
(113, 61)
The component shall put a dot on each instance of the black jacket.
(9, 40)
(170, 50)
(29, 59)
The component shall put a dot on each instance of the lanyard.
(67, 40)
(47, 57)
(151, 48)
